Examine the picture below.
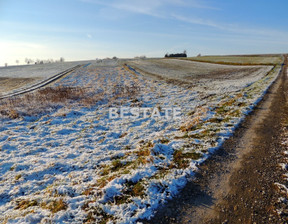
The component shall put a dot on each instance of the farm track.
(40, 84)
(236, 185)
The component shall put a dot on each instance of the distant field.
(204, 77)
(8, 84)
(16, 77)
(240, 60)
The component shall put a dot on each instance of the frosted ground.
(75, 165)
(13, 78)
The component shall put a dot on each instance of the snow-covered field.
(241, 59)
(204, 77)
(75, 165)
(14, 77)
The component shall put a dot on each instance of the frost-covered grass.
(76, 165)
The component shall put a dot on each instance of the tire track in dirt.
(252, 194)
(236, 185)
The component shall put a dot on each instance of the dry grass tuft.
(13, 114)
(195, 119)
(181, 160)
(124, 90)
(96, 215)
(58, 94)
(143, 152)
(54, 205)
(138, 190)
(24, 204)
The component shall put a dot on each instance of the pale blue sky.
(89, 29)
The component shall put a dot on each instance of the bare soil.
(236, 185)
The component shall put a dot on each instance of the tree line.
(177, 55)
(30, 61)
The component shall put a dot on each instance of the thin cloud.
(233, 28)
(197, 21)
(149, 7)
(155, 8)
(138, 7)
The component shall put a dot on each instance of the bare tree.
(17, 62)
(62, 59)
(6, 64)
(28, 61)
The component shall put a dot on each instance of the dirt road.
(236, 185)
